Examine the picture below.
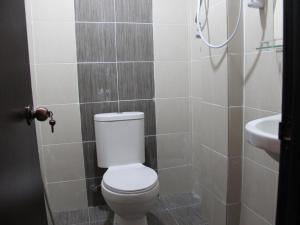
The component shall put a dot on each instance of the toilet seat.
(130, 179)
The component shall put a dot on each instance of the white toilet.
(128, 187)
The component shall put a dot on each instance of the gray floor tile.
(160, 218)
(188, 216)
(71, 217)
(180, 200)
(100, 213)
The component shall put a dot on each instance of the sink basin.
(263, 133)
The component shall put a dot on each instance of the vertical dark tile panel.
(136, 80)
(94, 10)
(146, 106)
(90, 161)
(138, 11)
(101, 80)
(95, 42)
(151, 152)
(95, 197)
(135, 42)
(88, 111)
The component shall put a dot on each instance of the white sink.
(263, 133)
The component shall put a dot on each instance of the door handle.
(41, 114)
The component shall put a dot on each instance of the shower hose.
(200, 28)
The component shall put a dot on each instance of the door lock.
(41, 114)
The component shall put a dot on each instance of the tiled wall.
(171, 69)
(216, 100)
(115, 71)
(51, 26)
(88, 57)
(262, 87)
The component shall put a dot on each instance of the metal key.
(52, 122)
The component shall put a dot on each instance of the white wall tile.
(211, 170)
(249, 217)
(64, 162)
(263, 83)
(234, 183)
(236, 45)
(235, 80)
(175, 180)
(211, 122)
(258, 155)
(171, 42)
(258, 25)
(53, 10)
(171, 79)
(67, 128)
(233, 213)
(66, 196)
(210, 81)
(57, 84)
(217, 23)
(170, 11)
(172, 115)
(213, 209)
(235, 134)
(260, 190)
(55, 42)
(173, 150)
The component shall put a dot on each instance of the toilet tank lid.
(109, 117)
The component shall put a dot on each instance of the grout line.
(89, 216)
(171, 98)
(210, 103)
(258, 109)
(256, 214)
(66, 181)
(175, 133)
(261, 165)
(66, 143)
(256, 52)
(116, 52)
(183, 206)
(60, 104)
(76, 63)
(129, 23)
(174, 167)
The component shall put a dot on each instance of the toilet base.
(123, 221)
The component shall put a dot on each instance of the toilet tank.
(119, 138)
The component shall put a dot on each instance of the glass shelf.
(274, 44)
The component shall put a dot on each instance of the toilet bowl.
(130, 191)
(129, 188)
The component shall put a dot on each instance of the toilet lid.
(133, 178)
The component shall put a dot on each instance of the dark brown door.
(21, 193)
(288, 205)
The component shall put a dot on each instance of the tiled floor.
(176, 209)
